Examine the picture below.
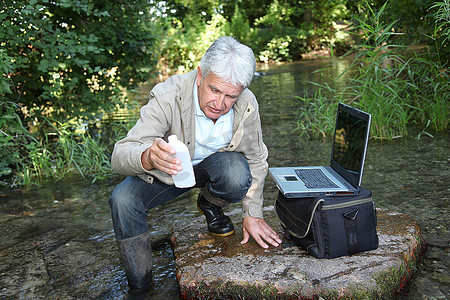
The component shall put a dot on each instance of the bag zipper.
(311, 217)
(346, 204)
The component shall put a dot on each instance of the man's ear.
(199, 75)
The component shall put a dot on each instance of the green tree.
(240, 28)
(71, 57)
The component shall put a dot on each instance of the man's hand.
(160, 156)
(260, 231)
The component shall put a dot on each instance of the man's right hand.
(160, 156)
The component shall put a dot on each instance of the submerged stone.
(211, 267)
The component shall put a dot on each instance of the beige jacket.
(170, 110)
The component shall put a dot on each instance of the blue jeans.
(224, 176)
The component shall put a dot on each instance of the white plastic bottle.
(184, 178)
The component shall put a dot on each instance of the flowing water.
(57, 242)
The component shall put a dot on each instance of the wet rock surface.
(57, 243)
(210, 267)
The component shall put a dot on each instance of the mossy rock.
(210, 267)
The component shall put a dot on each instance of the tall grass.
(316, 116)
(397, 88)
(52, 150)
(59, 154)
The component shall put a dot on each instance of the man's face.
(216, 97)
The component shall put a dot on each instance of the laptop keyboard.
(315, 178)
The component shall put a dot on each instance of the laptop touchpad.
(290, 178)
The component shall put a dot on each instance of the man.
(216, 116)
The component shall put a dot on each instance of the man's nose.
(220, 101)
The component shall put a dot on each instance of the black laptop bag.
(328, 227)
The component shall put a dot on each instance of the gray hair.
(229, 60)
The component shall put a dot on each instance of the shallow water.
(57, 242)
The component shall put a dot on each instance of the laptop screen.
(349, 147)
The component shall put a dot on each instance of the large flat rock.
(210, 267)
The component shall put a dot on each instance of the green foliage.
(285, 30)
(276, 30)
(68, 61)
(276, 50)
(185, 43)
(12, 136)
(240, 27)
(411, 17)
(443, 19)
(65, 61)
(417, 20)
(284, 27)
(6, 66)
(316, 115)
(60, 153)
(71, 58)
(12, 131)
(396, 88)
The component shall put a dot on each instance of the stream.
(57, 241)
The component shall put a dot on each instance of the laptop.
(344, 174)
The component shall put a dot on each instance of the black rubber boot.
(136, 257)
(218, 223)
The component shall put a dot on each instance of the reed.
(62, 153)
(398, 89)
(316, 114)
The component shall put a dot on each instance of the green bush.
(71, 58)
(12, 132)
(64, 62)
(275, 30)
